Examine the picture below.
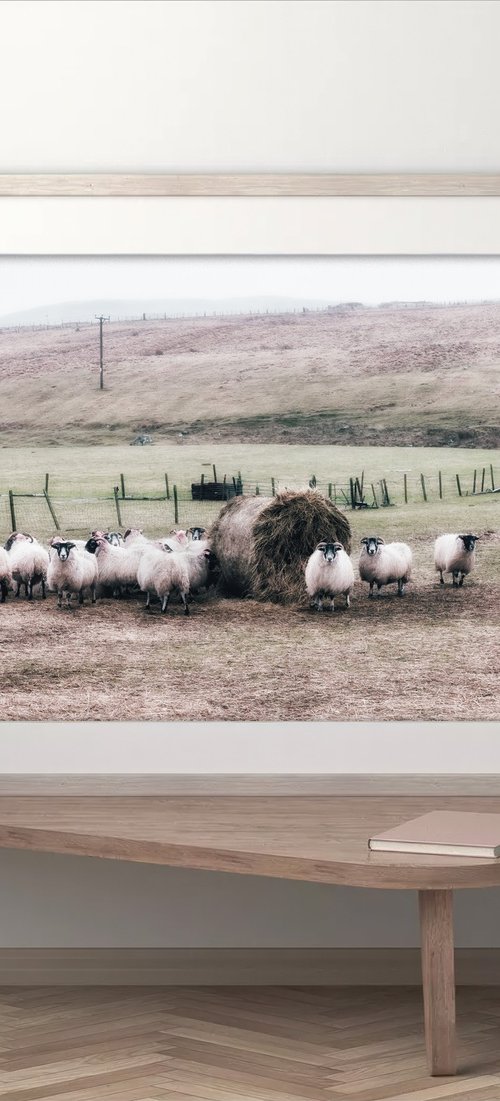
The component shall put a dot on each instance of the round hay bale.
(263, 543)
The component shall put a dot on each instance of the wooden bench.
(317, 839)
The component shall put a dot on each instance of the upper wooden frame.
(251, 184)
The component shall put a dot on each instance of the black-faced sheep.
(455, 554)
(383, 563)
(71, 570)
(28, 561)
(329, 573)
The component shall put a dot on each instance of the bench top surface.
(319, 839)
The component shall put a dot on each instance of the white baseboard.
(234, 966)
(248, 784)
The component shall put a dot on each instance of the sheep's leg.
(4, 592)
(80, 597)
(59, 598)
(164, 603)
(43, 588)
(371, 588)
(333, 603)
(455, 579)
(29, 589)
(401, 587)
(186, 605)
(319, 602)
(441, 578)
(68, 599)
(18, 589)
(148, 600)
(347, 599)
(462, 579)
(92, 594)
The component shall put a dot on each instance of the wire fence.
(76, 513)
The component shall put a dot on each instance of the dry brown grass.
(433, 655)
(386, 375)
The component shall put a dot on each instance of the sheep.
(383, 563)
(133, 535)
(5, 575)
(170, 575)
(71, 571)
(455, 554)
(176, 540)
(196, 533)
(202, 565)
(116, 566)
(145, 569)
(329, 573)
(28, 561)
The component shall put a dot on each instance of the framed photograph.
(249, 464)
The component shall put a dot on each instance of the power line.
(101, 319)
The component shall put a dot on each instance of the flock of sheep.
(183, 564)
(330, 573)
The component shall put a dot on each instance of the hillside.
(382, 375)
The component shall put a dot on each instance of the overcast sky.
(26, 283)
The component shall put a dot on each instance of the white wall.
(216, 85)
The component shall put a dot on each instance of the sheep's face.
(469, 542)
(63, 549)
(196, 533)
(372, 544)
(329, 550)
(114, 538)
(91, 545)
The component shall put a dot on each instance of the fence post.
(483, 476)
(12, 510)
(51, 510)
(440, 480)
(474, 481)
(215, 472)
(492, 476)
(330, 490)
(176, 506)
(117, 504)
(167, 487)
(273, 488)
(46, 483)
(405, 485)
(424, 491)
(122, 483)
(459, 487)
(375, 502)
(386, 491)
(257, 491)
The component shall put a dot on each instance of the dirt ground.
(433, 655)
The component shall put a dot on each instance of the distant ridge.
(121, 308)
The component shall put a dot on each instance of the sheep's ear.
(380, 542)
(321, 546)
(365, 541)
(70, 545)
(127, 533)
(338, 546)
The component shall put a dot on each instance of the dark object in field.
(142, 440)
(216, 491)
(263, 543)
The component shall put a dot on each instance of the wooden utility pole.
(101, 319)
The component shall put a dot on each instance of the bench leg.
(438, 975)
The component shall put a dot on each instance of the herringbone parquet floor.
(237, 1044)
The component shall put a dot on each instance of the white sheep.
(329, 573)
(5, 575)
(202, 565)
(171, 575)
(71, 570)
(383, 563)
(116, 566)
(176, 540)
(455, 554)
(145, 569)
(28, 561)
(132, 535)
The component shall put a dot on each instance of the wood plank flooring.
(238, 1044)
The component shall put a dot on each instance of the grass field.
(423, 375)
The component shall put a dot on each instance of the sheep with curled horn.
(455, 554)
(262, 543)
(382, 563)
(71, 570)
(328, 574)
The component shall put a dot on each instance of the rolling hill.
(421, 374)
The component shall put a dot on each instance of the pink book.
(443, 833)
